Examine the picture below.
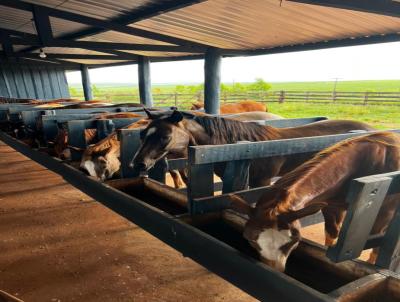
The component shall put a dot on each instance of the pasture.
(380, 116)
(342, 86)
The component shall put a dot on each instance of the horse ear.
(148, 112)
(306, 211)
(238, 204)
(175, 117)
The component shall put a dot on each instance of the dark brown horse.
(171, 133)
(319, 184)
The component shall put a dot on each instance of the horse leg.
(176, 178)
(333, 222)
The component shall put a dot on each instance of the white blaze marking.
(89, 166)
(151, 131)
(270, 241)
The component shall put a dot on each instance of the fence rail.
(185, 100)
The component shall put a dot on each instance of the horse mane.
(338, 150)
(228, 131)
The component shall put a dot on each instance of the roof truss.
(44, 37)
(118, 24)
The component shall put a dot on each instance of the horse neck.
(323, 174)
(197, 134)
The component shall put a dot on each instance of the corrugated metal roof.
(94, 62)
(231, 24)
(250, 24)
(70, 51)
(16, 19)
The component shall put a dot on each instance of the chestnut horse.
(171, 133)
(243, 106)
(319, 184)
(61, 148)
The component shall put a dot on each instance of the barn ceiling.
(117, 32)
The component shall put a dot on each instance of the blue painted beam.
(212, 80)
(87, 89)
(146, 97)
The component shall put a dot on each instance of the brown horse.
(243, 106)
(61, 148)
(101, 160)
(319, 184)
(172, 134)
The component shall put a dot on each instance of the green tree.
(259, 85)
(73, 91)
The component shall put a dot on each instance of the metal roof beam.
(71, 56)
(34, 38)
(6, 43)
(118, 24)
(103, 45)
(382, 7)
(53, 62)
(152, 59)
(42, 24)
(395, 37)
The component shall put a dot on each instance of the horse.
(252, 116)
(319, 184)
(61, 148)
(101, 160)
(171, 133)
(243, 106)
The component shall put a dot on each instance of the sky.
(370, 62)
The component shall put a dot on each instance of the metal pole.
(146, 97)
(212, 80)
(87, 89)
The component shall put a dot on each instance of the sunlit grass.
(382, 117)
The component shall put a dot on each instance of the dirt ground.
(57, 244)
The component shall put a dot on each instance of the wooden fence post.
(282, 96)
(334, 95)
(366, 98)
(176, 99)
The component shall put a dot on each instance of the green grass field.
(383, 117)
(357, 86)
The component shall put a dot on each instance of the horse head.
(166, 134)
(269, 230)
(102, 160)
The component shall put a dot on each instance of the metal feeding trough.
(308, 269)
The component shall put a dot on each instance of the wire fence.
(185, 100)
